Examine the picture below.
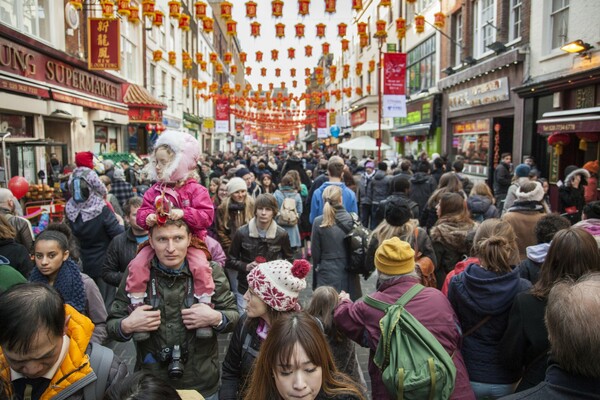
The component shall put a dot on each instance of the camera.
(176, 360)
(83, 124)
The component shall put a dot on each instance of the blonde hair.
(248, 209)
(386, 231)
(495, 244)
(482, 189)
(332, 195)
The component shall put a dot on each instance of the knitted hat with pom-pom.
(279, 283)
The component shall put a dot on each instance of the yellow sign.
(208, 123)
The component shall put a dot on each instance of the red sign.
(104, 43)
(322, 119)
(222, 111)
(394, 73)
(475, 127)
(358, 117)
(144, 115)
(23, 88)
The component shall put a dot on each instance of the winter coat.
(17, 256)
(364, 188)
(201, 371)
(449, 238)
(481, 208)
(590, 192)
(511, 195)
(569, 196)
(529, 268)
(237, 215)
(502, 181)
(192, 198)
(475, 294)
(525, 342)
(121, 250)
(22, 227)
(75, 372)
(348, 200)
(360, 323)
(421, 188)
(467, 184)
(380, 187)
(592, 226)
(523, 216)
(94, 237)
(95, 309)
(122, 190)
(292, 231)
(460, 267)
(329, 255)
(296, 164)
(247, 245)
(239, 360)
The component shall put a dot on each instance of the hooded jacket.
(481, 208)
(592, 226)
(570, 196)
(523, 216)
(421, 188)
(475, 294)
(380, 187)
(529, 268)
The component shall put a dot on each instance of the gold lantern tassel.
(582, 145)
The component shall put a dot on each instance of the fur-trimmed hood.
(187, 155)
(535, 195)
(585, 175)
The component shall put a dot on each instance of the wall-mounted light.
(497, 47)
(577, 46)
(469, 60)
(449, 71)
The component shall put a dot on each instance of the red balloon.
(18, 186)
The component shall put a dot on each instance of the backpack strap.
(100, 360)
(402, 301)
(416, 248)
(479, 325)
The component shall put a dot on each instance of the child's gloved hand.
(151, 220)
(176, 214)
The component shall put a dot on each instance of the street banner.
(394, 85)
(322, 124)
(222, 115)
(104, 43)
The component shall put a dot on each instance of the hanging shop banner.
(104, 43)
(222, 115)
(322, 124)
(394, 85)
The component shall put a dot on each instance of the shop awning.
(570, 121)
(143, 106)
(412, 130)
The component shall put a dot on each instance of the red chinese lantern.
(558, 140)
(439, 19)
(159, 18)
(359, 91)
(364, 41)
(148, 9)
(380, 27)
(172, 58)
(134, 14)
(293, 72)
(250, 9)
(227, 57)
(231, 27)
(321, 30)
(342, 27)
(157, 55)
(307, 83)
(150, 127)
(274, 55)
(263, 71)
(174, 9)
(108, 8)
(385, 3)
(291, 53)
(419, 23)
(368, 89)
(203, 65)
(208, 24)
(303, 7)
(184, 22)
(325, 48)
(294, 84)
(185, 56)
(330, 6)
(200, 9)
(199, 57)
(243, 57)
(345, 44)
(306, 71)
(346, 72)
(283, 85)
(277, 8)
(371, 65)
(357, 5)
(308, 51)
(585, 137)
(401, 28)
(280, 30)
(212, 57)
(248, 71)
(362, 28)
(225, 8)
(255, 29)
(278, 72)
(259, 56)
(271, 86)
(219, 68)
(77, 4)
(411, 1)
(332, 72)
(299, 30)
(359, 67)
(123, 8)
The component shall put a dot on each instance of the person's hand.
(176, 214)
(142, 319)
(200, 315)
(250, 266)
(151, 220)
(343, 296)
(119, 219)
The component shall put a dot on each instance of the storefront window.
(105, 139)
(19, 126)
(421, 67)
(32, 17)
(471, 139)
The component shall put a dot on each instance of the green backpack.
(413, 364)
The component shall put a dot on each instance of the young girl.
(176, 195)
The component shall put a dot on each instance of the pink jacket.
(192, 198)
(460, 267)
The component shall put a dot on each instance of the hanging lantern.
(342, 27)
(157, 55)
(200, 9)
(299, 30)
(231, 27)
(199, 57)
(364, 41)
(280, 30)
(401, 28)
(330, 6)
(419, 23)
(159, 18)
(274, 55)
(385, 3)
(319, 71)
(271, 86)
(283, 85)
(293, 72)
(227, 57)
(248, 71)
(219, 68)
(77, 4)
(357, 5)
(174, 9)
(150, 127)
(184, 22)
(225, 8)
(359, 66)
(585, 137)
(203, 65)
(346, 72)
(208, 24)
(263, 71)
(237, 87)
(278, 72)
(308, 51)
(332, 72)
(294, 84)
(259, 56)
(362, 28)
(440, 19)
(250, 9)
(277, 8)
(108, 8)
(123, 8)
(255, 29)
(303, 7)
(306, 71)
(345, 44)
(558, 140)
(411, 1)
(371, 65)
(134, 14)
(321, 30)
(291, 53)
(212, 57)
(188, 64)
(368, 89)
(359, 91)
(325, 47)
(148, 9)
(380, 27)
(172, 58)
(243, 57)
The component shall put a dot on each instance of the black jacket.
(502, 181)
(421, 187)
(17, 255)
(121, 250)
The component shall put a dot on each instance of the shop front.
(481, 117)
(420, 131)
(145, 118)
(193, 125)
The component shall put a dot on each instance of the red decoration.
(263, 71)
(325, 48)
(274, 55)
(346, 68)
(345, 44)
(401, 28)
(380, 27)
(148, 8)
(292, 72)
(78, 4)
(321, 30)
(18, 186)
(227, 57)
(208, 24)
(308, 51)
(174, 9)
(231, 27)
(294, 84)
(299, 30)
(250, 9)
(199, 57)
(359, 66)
(330, 6)
(134, 14)
(277, 8)
(172, 58)
(280, 30)
(558, 140)
(184, 22)
(278, 72)
(300, 268)
(419, 23)
(357, 5)
(332, 72)
(255, 29)
(259, 56)
(385, 3)
(156, 55)
(200, 9)
(225, 8)
(364, 41)
(342, 27)
(303, 7)
(212, 57)
(159, 18)
(243, 57)
(248, 71)
(123, 8)
(291, 53)
(108, 8)
(440, 19)
(371, 65)
(362, 28)
(260, 259)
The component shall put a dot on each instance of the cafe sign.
(358, 117)
(104, 44)
(490, 92)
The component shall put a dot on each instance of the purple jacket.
(192, 198)
(360, 323)
(216, 251)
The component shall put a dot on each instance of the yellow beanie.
(395, 257)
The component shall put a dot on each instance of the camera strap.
(154, 298)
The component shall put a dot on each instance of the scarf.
(68, 283)
(94, 205)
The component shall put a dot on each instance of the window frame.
(426, 54)
(481, 28)
(516, 8)
(562, 11)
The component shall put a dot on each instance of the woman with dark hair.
(295, 362)
(15, 253)
(142, 386)
(573, 253)
(266, 182)
(571, 197)
(449, 183)
(54, 266)
(481, 297)
(450, 232)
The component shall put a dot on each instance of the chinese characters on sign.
(394, 85)
(222, 115)
(104, 44)
(322, 124)
(487, 93)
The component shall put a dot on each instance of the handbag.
(424, 265)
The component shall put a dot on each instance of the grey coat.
(330, 257)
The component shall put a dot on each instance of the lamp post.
(381, 36)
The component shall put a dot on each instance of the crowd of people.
(190, 246)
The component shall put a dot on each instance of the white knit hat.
(536, 194)
(236, 184)
(279, 283)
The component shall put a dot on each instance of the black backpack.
(79, 187)
(357, 244)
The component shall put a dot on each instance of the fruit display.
(41, 192)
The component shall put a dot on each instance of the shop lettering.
(559, 127)
(17, 60)
(79, 80)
